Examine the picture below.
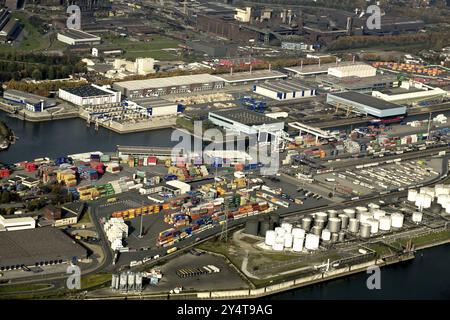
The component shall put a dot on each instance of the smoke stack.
(270, 67)
(250, 69)
(301, 64)
(231, 71)
(353, 59)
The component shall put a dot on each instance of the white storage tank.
(280, 239)
(378, 213)
(270, 237)
(298, 232)
(427, 190)
(397, 220)
(287, 227)
(278, 246)
(412, 194)
(385, 223)
(361, 209)
(321, 216)
(312, 242)
(298, 244)
(423, 200)
(365, 229)
(332, 213)
(288, 238)
(351, 213)
(373, 207)
(334, 224)
(326, 235)
(417, 217)
(344, 220)
(364, 216)
(280, 231)
(353, 225)
(373, 225)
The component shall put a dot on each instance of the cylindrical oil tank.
(264, 226)
(334, 237)
(341, 236)
(288, 238)
(280, 231)
(353, 225)
(320, 216)
(278, 246)
(373, 206)
(373, 225)
(332, 213)
(326, 235)
(115, 282)
(412, 194)
(320, 223)
(298, 232)
(280, 239)
(334, 224)
(385, 223)
(397, 220)
(312, 241)
(351, 213)
(417, 217)
(297, 246)
(378, 213)
(344, 220)
(306, 223)
(364, 230)
(270, 237)
(361, 209)
(251, 227)
(364, 216)
(287, 226)
(316, 231)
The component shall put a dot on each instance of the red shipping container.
(4, 173)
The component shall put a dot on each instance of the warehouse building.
(353, 70)
(76, 37)
(411, 92)
(37, 247)
(89, 95)
(316, 69)
(245, 121)
(14, 224)
(32, 102)
(170, 85)
(366, 104)
(154, 107)
(246, 77)
(284, 90)
(365, 84)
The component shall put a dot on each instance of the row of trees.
(44, 88)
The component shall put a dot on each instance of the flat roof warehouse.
(87, 91)
(245, 116)
(367, 100)
(167, 82)
(78, 34)
(285, 86)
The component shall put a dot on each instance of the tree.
(5, 197)
(36, 74)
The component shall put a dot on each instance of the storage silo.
(321, 216)
(351, 213)
(364, 216)
(123, 284)
(353, 225)
(344, 220)
(298, 232)
(412, 194)
(334, 237)
(365, 230)
(373, 207)
(341, 236)
(319, 223)
(251, 227)
(417, 217)
(397, 220)
(288, 239)
(280, 231)
(131, 277)
(287, 227)
(278, 246)
(298, 244)
(374, 224)
(385, 223)
(138, 281)
(316, 231)
(332, 213)
(270, 237)
(115, 282)
(312, 241)
(326, 235)
(361, 209)
(306, 223)
(334, 224)
(378, 213)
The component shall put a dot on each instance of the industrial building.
(32, 102)
(366, 84)
(9, 27)
(365, 104)
(14, 224)
(320, 68)
(89, 95)
(252, 76)
(353, 70)
(154, 107)
(77, 37)
(170, 85)
(411, 92)
(37, 247)
(245, 121)
(284, 90)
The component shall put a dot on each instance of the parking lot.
(372, 178)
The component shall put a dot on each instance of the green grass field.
(94, 280)
(16, 288)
